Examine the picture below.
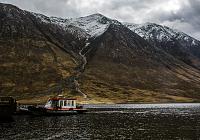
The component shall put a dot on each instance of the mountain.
(95, 58)
(36, 58)
(178, 44)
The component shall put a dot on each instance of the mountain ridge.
(170, 40)
(94, 58)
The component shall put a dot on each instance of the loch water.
(121, 121)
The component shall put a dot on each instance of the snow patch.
(42, 18)
(152, 31)
(94, 25)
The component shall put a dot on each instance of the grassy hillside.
(39, 59)
(31, 68)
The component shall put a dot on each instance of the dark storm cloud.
(186, 19)
(181, 14)
(191, 14)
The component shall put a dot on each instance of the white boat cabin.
(61, 103)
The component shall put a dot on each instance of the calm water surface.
(132, 121)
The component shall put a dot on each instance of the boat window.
(65, 103)
(68, 103)
(61, 103)
(72, 103)
(49, 102)
(54, 103)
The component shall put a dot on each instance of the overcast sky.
(183, 15)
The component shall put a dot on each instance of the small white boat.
(58, 106)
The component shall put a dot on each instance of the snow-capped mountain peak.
(154, 32)
(149, 31)
(94, 25)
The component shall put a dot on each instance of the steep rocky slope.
(124, 66)
(177, 43)
(95, 58)
(37, 58)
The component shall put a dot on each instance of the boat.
(58, 106)
(8, 106)
(22, 110)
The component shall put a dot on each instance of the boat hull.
(54, 112)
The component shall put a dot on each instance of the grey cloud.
(186, 19)
(60, 8)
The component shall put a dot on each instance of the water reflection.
(108, 122)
